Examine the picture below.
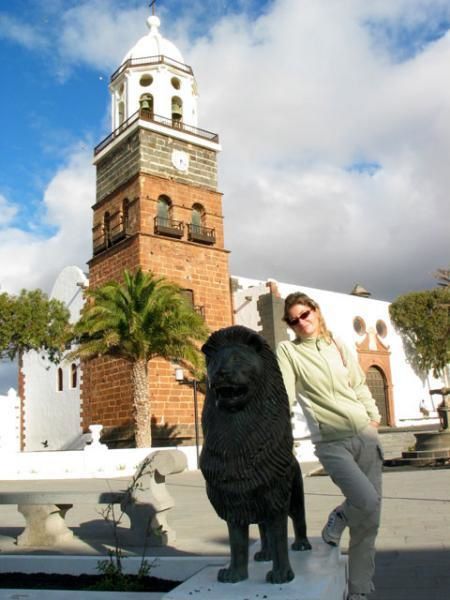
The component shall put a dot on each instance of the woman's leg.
(355, 466)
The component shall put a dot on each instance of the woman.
(324, 377)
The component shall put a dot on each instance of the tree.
(422, 319)
(443, 277)
(137, 320)
(30, 321)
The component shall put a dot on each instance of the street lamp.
(193, 383)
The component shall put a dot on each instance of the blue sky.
(56, 100)
(334, 119)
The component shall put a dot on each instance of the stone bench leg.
(45, 525)
(147, 526)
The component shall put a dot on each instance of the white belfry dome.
(154, 81)
(154, 44)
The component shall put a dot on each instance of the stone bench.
(143, 498)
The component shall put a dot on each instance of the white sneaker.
(357, 597)
(332, 532)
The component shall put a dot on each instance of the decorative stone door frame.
(372, 352)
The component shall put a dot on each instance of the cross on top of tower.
(152, 6)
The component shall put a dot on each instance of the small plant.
(112, 568)
(113, 577)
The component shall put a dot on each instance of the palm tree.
(137, 320)
(443, 277)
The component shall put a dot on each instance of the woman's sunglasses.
(302, 317)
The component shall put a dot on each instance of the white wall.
(339, 311)
(50, 415)
(10, 422)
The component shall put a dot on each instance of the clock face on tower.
(180, 160)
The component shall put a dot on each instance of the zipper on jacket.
(333, 389)
(349, 416)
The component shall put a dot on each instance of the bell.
(177, 111)
(146, 104)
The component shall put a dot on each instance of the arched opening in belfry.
(146, 106)
(377, 384)
(177, 111)
(121, 112)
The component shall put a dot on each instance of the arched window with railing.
(198, 215)
(164, 223)
(197, 230)
(164, 208)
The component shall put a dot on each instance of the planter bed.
(166, 572)
(85, 582)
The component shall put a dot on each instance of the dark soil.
(56, 581)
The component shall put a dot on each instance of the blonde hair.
(301, 298)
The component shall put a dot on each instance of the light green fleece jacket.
(334, 396)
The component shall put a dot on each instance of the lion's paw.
(231, 575)
(301, 545)
(263, 556)
(280, 576)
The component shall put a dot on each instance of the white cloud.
(22, 33)
(29, 260)
(98, 34)
(7, 211)
(298, 96)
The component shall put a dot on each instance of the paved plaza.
(413, 558)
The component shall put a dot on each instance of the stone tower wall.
(140, 170)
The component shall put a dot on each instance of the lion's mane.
(247, 457)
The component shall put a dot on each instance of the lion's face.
(234, 372)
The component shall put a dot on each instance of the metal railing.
(151, 60)
(106, 239)
(164, 121)
(122, 127)
(199, 233)
(168, 227)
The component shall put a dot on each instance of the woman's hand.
(375, 424)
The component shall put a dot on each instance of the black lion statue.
(247, 459)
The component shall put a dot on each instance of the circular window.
(359, 325)
(146, 80)
(175, 83)
(381, 328)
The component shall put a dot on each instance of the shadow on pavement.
(422, 574)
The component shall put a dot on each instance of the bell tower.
(158, 207)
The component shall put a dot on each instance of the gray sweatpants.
(355, 466)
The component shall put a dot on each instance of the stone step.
(320, 574)
(426, 454)
(396, 441)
